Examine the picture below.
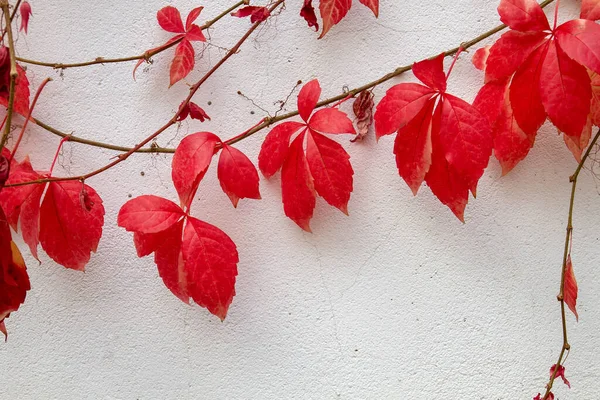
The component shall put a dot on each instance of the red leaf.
(308, 98)
(373, 5)
(274, 149)
(580, 39)
(431, 72)
(539, 396)
(211, 266)
(566, 92)
(256, 13)
(560, 373)
(332, 12)
(363, 111)
(400, 104)
(480, 57)
(196, 112)
(237, 175)
(14, 281)
(192, 17)
(190, 162)
(21, 103)
(308, 13)
(523, 15)
(331, 120)
(490, 100)
(525, 92)
(169, 19)
(595, 106)
(590, 9)
(183, 62)
(575, 144)
(25, 11)
(441, 178)
(570, 289)
(69, 232)
(412, 148)
(195, 34)
(331, 170)
(297, 186)
(466, 139)
(149, 214)
(510, 51)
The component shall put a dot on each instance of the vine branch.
(13, 72)
(566, 346)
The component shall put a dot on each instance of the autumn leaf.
(256, 13)
(308, 13)
(560, 373)
(25, 11)
(570, 288)
(237, 175)
(323, 169)
(194, 111)
(363, 111)
(333, 11)
(590, 9)
(183, 62)
(441, 139)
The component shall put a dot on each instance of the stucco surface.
(397, 301)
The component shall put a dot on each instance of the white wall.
(397, 301)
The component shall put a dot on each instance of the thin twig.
(561, 298)
(277, 118)
(144, 56)
(13, 72)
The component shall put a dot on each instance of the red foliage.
(25, 11)
(256, 14)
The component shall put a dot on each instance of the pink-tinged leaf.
(441, 178)
(149, 214)
(308, 13)
(190, 162)
(590, 9)
(560, 373)
(256, 13)
(192, 17)
(577, 145)
(183, 62)
(431, 72)
(23, 203)
(510, 51)
(297, 187)
(523, 15)
(580, 39)
(156, 49)
(511, 144)
(331, 120)
(68, 231)
(308, 98)
(166, 246)
(332, 12)
(194, 34)
(570, 289)
(412, 148)
(466, 139)
(275, 147)
(400, 104)
(480, 57)
(331, 170)
(169, 19)
(25, 11)
(237, 175)
(373, 5)
(211, 260)
(565, 91)
(525, 92)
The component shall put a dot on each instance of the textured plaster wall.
(397, 301)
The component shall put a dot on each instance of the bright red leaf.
(373, 5)
(190, 163)
(25, 11)
(560, 373)
(332, 12)
(590, 9)
(183, 62)
(192, 17)
(325, 165)
(570, 288)
(149, 214)
(237, 175)
(256, 13)
(441, 139)
(308, 13)
(523, 15)
(21, 104)
(194, 111)
(169, 19)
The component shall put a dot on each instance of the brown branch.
(144, 56)
(271, 120)
(566, 346)
(171, 122)
(13, 72)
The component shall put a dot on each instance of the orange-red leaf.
(169, 19)
(183, 62)
(192, 17)
(570, 288)
(332, 12)
(373, 5)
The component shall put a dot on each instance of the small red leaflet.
(256, 14)
(25, 11)
(332, 12)
(441, 140)
(570, 290)
(323, 169)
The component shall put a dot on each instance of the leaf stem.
(62, 141)
(13, 73)
(566, 346)
(144, 56)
